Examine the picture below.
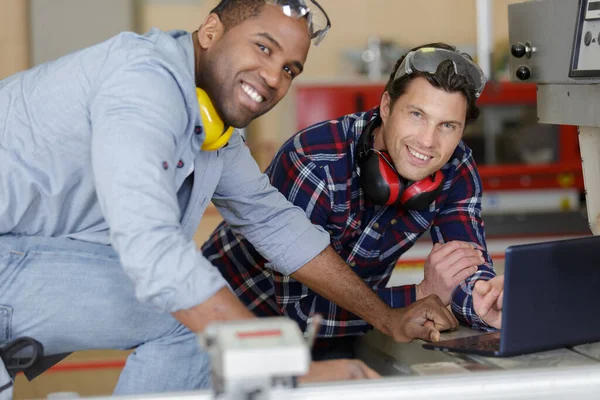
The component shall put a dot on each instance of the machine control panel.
(555, 41)
(585, 60)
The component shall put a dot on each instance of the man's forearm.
(329, 276)
(223, 306)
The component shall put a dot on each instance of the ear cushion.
(379, 180)
(390, 176)
(216, 133)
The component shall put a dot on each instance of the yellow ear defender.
(217, 134)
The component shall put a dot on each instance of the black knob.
(587, 39)
(518, 50)
(523, 72)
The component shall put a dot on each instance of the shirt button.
(376, 225)
(394, 222)
(353, 263)
(198, 130)
(165, 165)
(180, 164)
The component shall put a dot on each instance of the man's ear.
(384, 106)
(210, 31)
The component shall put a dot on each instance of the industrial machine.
(556, 44)
(249, 359)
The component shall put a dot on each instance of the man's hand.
(446, 267)
(338, 370)
(487, 300)
(423, 319)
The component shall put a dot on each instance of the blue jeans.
(6, 389)
(72, 295)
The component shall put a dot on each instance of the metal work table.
(389, 358)
(550, 375)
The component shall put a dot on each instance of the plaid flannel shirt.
(315, 169)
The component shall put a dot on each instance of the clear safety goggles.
(318, 21)
(427, 59)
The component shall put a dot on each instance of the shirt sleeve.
(303, 182)
(460, 219)
(138, 115)
(255, 209)
(398, 296)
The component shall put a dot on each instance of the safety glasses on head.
(427, 59)
(318, 21)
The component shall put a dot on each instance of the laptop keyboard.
(487, 343)
(491, 344)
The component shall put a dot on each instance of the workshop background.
(531, 173)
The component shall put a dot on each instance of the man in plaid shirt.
(418, 126)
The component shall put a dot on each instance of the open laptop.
(551, 300)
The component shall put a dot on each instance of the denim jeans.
(6, 389)
(72, 295)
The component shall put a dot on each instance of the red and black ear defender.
(382, 183)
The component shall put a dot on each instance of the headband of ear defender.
(216, 133)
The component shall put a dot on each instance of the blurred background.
(531, 173)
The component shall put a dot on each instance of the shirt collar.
(185, 41)
(362, 121)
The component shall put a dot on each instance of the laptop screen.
(551, 295)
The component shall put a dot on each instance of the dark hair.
(233, 12)
(444, 78)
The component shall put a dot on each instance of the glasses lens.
(318, 21)
(428, 60)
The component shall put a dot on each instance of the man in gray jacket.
(106, 167)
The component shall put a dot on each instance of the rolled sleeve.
(461, 220)
(278, 230)
(306, 247)
(138, 116)
(398, 296)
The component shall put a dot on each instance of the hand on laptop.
(424, 319)
(487, 300)
(446, 267)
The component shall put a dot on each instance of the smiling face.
(247, 69)
(422, 129)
